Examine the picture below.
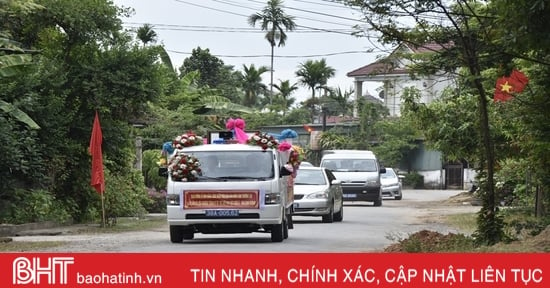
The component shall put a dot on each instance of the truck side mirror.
(382, 169)
(163, 171)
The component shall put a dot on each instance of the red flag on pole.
(98, 179)
(506, 86)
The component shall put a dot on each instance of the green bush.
(157, 201)
(150, 166)
(414, 180)
(37, 205)
(124, 195)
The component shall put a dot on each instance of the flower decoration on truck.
(296, 155)
(186, 140)
(184, 167)
(263, 140)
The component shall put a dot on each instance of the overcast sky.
(221, 26)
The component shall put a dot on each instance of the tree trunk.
(271, 82)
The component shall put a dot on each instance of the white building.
(394, 72)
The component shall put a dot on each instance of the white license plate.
(222, 213)
(349, 195)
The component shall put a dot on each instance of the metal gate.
(454, 176)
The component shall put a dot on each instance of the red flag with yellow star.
(506, 87)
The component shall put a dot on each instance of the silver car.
(318, 193)
(391, 184)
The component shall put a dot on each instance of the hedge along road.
(364, 229)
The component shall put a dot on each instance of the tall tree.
(471, 37)
(146, 34)
(275, 21)
(342, 99)
(285, 91)
(209, 66)
(314, 75)
(252, 84)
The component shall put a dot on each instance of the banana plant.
(12, 65)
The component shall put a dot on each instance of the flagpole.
(103, 224)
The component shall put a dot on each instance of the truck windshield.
(235, 165)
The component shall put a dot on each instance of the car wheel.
(176, 234)
(339, 216)
(399, 197)
(329, 217)
(378, 202)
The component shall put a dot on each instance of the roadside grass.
(124, 224)
(526, 234)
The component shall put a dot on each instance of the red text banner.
(200, 199)
(274, 270)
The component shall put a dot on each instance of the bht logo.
(30, 271)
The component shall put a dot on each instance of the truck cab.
(238, 188)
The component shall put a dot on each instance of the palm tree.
(285, 90)
(146, 34)
(315, 75)
(342, 101)
(275, 21)
(252, 84)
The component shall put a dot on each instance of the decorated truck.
(225, 186)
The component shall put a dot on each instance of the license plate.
(222, 213)
(349, 195)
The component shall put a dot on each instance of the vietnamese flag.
(97, 179)
(506, 86)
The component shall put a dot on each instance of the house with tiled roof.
(394, 74)
(393, 71)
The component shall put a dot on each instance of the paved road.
(365, 229)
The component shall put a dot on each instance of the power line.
(202, 28)
(246, 16)
(279, 56)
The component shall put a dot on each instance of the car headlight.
(318, 195)
(272, 198)
(173, 199)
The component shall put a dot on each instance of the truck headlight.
(272, 198)
(371, 183)
(173, 199)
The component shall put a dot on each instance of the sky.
(221, 26)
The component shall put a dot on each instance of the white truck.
(240, 189)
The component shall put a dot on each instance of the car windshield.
(389, 174)
(309, 177)
(355, 165)
(235, 165)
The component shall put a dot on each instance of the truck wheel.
(176, 234)
(285, 229)
(277, 232)
(289, 219)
